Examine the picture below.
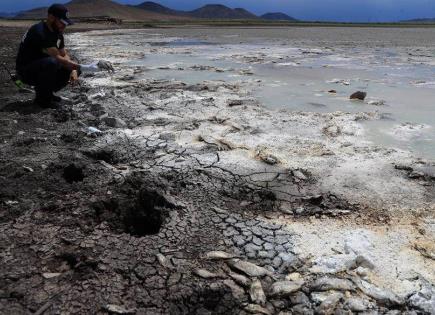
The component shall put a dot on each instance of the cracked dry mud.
(192, 203)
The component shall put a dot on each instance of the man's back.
(34, 43)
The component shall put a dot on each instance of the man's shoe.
(56, 98)
(44, 103)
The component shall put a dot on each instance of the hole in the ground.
(145, 216)
(73, 173)
(104, 154)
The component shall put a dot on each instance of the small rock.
(92, 131)
(283, 288)
(359, 243)
(263, 155)
(424, 299)
(319, 297)
(299, 298)
(237, 292)
(116, 309)
(301, 309)
(167, 136)
(218, 255)
(358, 96)
(329, 305)
(383, 296)
(163, 261)
(334, 263)
(232, 103)
(299, 174)
(294, 276)
(365, 262)
(416, 175)
(97, 96)
(425, 248)
(332, 131)
(257, 309)
(361, 271)
(246, 72)
(299, 210)
(28, 169)
(205, 274)
(326, 284)
(240, 279)
(403, 167)
(357, 304)
(377, 103)
(276, 262)
(49, 275)
(269, 159)
(256, 293)
(248, 268)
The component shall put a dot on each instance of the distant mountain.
(158, 8)
(99, 8)
(150, 11)
(214, 11)
(7, 14)
(425, 20)
(210, 11)
(277, 16)
(219, 11)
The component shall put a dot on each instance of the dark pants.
(46, 75)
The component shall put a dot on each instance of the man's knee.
(39, 71)
(51, 63)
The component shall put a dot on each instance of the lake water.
(295, 68)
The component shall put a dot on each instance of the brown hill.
(219, 11)
(99, 8)
(210, 11)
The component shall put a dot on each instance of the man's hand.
(73, 80)
(98, 66)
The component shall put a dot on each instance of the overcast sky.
(321, 10)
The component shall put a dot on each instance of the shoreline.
(8, 22)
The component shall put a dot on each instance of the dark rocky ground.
(87, 229)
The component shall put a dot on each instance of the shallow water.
(297, 74)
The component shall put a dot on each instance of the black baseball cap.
(61, 12)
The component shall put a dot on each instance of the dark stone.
(403, 167)
(358, 96)
(301, 309)
(299, 298)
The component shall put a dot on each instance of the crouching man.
(43, 61)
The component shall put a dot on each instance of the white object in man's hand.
(97, 66)
(93, 67)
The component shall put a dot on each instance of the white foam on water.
(409, 131)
